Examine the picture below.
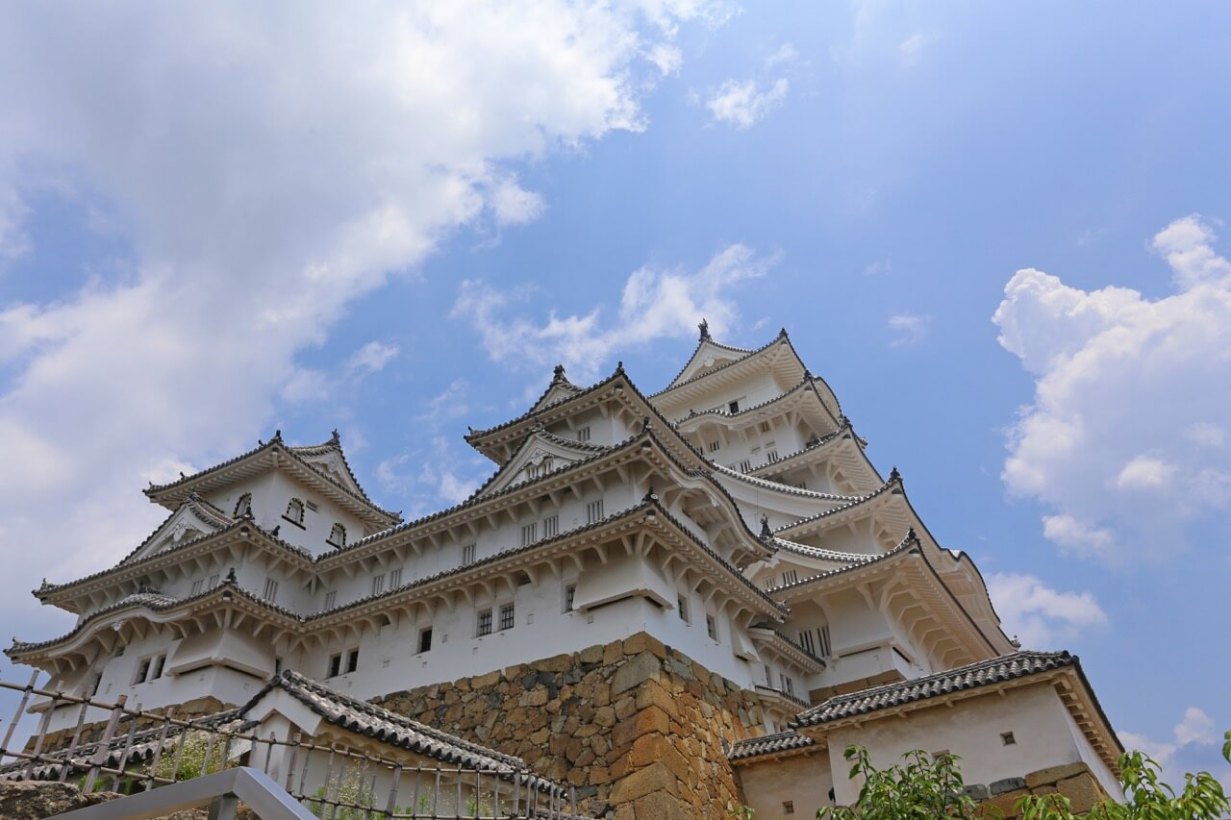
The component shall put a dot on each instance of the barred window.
(506, 617)
(529, 533)
(331, 599)
(197, 586)
(271, 590)
(583, 433)
(395, 578)
(468, 555)
(485, 623)
(594, 511)
(378, 584)
(570, 592)
(551, 526)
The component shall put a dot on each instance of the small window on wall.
(425, 640)
(271, 590)
(682, 607)
(711, 627)
(484, 625)
(467, 555)
(244, 505)
(507, 618)
(337, 536)
(714, 446)
(331, 599)
(156, 667)
(551, 526)
(529, 533)
(764, 427)
(335, 666)
(197, 586)
(594, 511)
(294, 512)
(745, 466)
(733, 407)
(352, 660)
(570, 592)
(143, 669)
(395, 578)
(583, 433)
(378, 584)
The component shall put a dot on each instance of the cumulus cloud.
(1125, 439)
(1042, 617)
(908, 329)
(654, 304)
(1196, 728)
(744, 103)
(268, 165)
(371, 358)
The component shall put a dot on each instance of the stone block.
(662, 806)
(1008, 784)
(653, 778)
(591, 655)
(657, 696)
(642, 642)
(636, 671)
(976, 791)
(1082, 791)
(484, 681)
(557, 663)
(612, 653)
(644, 722)
(1054, 774)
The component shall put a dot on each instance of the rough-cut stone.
(635, 725)
(1082, 791)
(34, 801)
(1008, 784)
(1054, 774)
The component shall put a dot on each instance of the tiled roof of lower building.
(769, 744)
(374, 721)
(971, 676)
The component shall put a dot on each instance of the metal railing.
(133, 751)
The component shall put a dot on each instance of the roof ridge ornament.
(894, 475)
(335, 439)
(704, 327)
(558, 374)
(766, 532)
(651, 496)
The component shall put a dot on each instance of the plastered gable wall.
(972, 731)
(802, 780)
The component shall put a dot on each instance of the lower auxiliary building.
(677, 603)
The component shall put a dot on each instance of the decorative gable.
(540, 455)
(194, 519)
(332, 466)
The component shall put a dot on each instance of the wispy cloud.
(908, 329)
(1125, 440)
(1040, 616)
(655, 304)
(744, 103)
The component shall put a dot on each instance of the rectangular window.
(745, 466)
(425, 640)
(711, 627)
(765, 427)
(583, 433)
(506, 617)
(733, 407)
(197, 586)
(335, 666)
(790, 576)
(468, 555)
(682, 607)
(551, 526)
(822, 635)
(213, 581)
(807, 642)
(771, 456)
(714, 446)
(378, 584)
(271, 590)
(352, 660)
(788, 685)
(95, 681)
(156, 670)
(594, 511)
(529, 533)
(311, 505)
(143, 669)
(485, 623)
(331, 599)
(395, 578)
(570, 591)
(769, 676)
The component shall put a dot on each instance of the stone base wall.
(1074, 780)
(638, 728)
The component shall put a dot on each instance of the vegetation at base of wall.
(927, 786)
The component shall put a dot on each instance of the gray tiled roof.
(365, 718)
(769, 744)
(971, 676)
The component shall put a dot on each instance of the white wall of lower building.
(791, 787)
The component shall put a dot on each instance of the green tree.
(924, 786)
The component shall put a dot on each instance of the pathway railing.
(116, 748)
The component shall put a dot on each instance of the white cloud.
(654, 304)
(1196, 728)
(1041, 617)
(911, 49)
(784, 54)
(1131, 397)
(744, 103)
(908, 329)
(269, 166)
(371, 358)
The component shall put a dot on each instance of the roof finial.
(645, 424)
(278, 434)
(620, 366)
(894, 475)
(650, 496)
(231, 579)
(559, 373)
(704, 327)
(766, 532)
(335, 438)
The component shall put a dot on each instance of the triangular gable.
(331, 464)
(558, 391)
(540, 454)
(192, 520)
(709, 355)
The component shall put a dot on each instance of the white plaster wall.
(971, 729)
(271, 493)
(804, 780)
(1091, 758)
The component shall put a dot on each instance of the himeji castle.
(679, 603)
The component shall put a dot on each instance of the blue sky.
(998, 231)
